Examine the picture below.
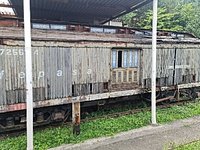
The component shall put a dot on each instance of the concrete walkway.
(147, 138)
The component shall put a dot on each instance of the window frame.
(130, 58)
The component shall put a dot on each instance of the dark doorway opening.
(119, 59)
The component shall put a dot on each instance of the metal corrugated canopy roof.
(78, 11)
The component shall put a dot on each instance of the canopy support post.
(29, 89)
(154, 46)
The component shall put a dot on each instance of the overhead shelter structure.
(76, 11)
(90, 12)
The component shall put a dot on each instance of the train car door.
(125, 69)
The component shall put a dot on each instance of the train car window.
(119, 59)
(114, 59)
(125, 58)
(125, 64)
(131, 59)
(136, 59)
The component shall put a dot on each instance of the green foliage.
(166, 21)
(173, 15)
(128, 19)
(53, 137)
(193, 22)
(191, 146)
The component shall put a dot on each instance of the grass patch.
(53, 137)
(191, 146)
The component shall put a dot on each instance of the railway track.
(134, 111)
(21, 131)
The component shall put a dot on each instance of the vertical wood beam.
(76, 117)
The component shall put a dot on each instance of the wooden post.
(177, 93)
(76, 117)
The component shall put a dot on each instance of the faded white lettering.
(74, 72)
(1, 74)
(15, 52)
(179, 67)
(2, 51)
(22, 75)
(41, 74)
(8, 52)
(36, 52)
(11, 51)
(59, 73)
(21, 52)
(89, 71)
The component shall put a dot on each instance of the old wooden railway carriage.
(73, 63)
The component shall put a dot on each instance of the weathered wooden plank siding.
(196, 63)
(91, 68)
(187, 65)
(2, 78)
(185, 61)
(90, 65)
(13, 66)
(51, 74)
(59, 72)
